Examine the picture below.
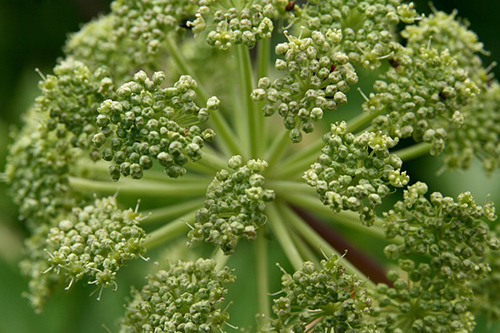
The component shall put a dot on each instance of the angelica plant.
(229, 124)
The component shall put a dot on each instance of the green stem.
(228, 143)
(414, 151)
(213, 160)
(359, 122)
(169, 231)
(284, 188)
(201, 167)
(300, 161)
(261, 270)
(304, 249)
(252, 120)
(277, 148)
(263, 49)
(220, 259)
(143, 188)
(348, 219)
(283, 236)
(165, 214)
(316, 240)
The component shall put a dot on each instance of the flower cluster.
(328, 299)
(316, 80)
(72, 113)
(421, 96)
(150, 21)
(185, 298)
(367, 26)
(354, 173)
(146, 122)
(235, 205)
(420, 301)
(479, 132)
(449, 233)
(231, 26)
(95, 241)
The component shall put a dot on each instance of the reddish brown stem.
(365, 263)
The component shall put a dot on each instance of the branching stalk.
(169, 231)
(143, 188)
(261, 272)
(282, 234)
(171, 211)
(314, 239)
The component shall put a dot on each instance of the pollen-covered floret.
(146, 122)
(354, 173)
(188, 297)
(235, 205)
(316, 80)
(367, 26)
(321, 299)
(93, 242)
(421, 96)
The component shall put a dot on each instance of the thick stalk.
(414, 151)
(167, 213)
(263, 50)
(310, 202)
(299, 162)
(169, 231)
(142, 188)
(261, 271)
(228, 142)
(212, 160)
(304, 249)
(282, 234)
(220, 259)
(359, 122)
(277, 148)
(370, 266)
(316, 240)
(252, 117)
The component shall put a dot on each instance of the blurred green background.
(31, 36)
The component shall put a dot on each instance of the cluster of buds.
(316, 80)
(146, 122)
(368, 26)
(328, 299)
(354, 173)
(235, 205)
(94, 242)
(233, 26)
(185, 298)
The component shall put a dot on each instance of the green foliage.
(132, 98)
